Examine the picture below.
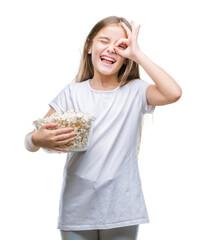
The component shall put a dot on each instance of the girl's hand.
(51, 139)
(132, 48)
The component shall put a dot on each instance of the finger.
(59, 143)
(61, 149)
(62, 131)
(128, 31)
(49, 125)
(64, 136)
(137, 31)
(133, 27)
(118, 51)
(122, 41)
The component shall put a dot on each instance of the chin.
(107, 71)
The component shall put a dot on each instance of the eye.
(122, 46)
(103, 41)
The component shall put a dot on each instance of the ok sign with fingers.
(132, 48)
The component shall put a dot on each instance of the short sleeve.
(61, 103)
(143, 89)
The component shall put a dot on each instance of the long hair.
(128, 72)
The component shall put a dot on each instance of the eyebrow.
(104, 37)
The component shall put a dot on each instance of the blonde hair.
(127, 73)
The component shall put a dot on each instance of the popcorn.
(81, 123)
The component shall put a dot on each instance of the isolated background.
(40, 47)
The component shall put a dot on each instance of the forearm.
(165, 83)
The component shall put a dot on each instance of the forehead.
(112, 31)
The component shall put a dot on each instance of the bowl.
(82, 124)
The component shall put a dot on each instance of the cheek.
(97, 49)
(95, 53)
(121, 61)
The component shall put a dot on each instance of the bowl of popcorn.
(81, 123)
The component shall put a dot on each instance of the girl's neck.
(104, 82)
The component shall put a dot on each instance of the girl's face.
(104, 58)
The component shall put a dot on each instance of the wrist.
(34, 140)
(138, 57)
(29, 145)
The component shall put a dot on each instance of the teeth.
(107, 59)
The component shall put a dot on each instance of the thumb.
(49, 125)
(118, 51)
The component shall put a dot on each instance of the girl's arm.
(166, 90)
(46, 138)
(50, 112)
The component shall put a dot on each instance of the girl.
(101, 194)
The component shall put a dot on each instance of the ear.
(89, 50)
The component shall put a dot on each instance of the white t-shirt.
(101, 187)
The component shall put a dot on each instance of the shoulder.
(138, 83)
(78, 85)
(72, 87)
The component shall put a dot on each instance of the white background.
(40, 47)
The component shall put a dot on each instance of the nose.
(111, 49)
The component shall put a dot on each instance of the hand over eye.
(128, 47)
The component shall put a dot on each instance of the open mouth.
(107, 60)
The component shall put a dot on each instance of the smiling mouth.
(107, 60)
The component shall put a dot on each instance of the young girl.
(101, 194)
